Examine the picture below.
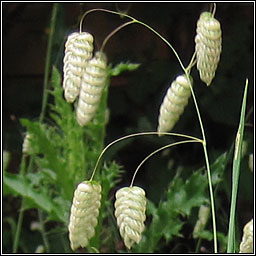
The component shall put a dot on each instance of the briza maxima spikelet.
(26, 147)
(78, 50)
(130, 208)
(84, 213)
(203, 216)
(92, 85)
(174, 103)
(246, 245)
(208, 46)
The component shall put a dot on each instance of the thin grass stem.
(156, 151)
(139, 134)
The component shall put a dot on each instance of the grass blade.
(235, 174)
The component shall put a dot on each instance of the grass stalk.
(48, 60)
(207, 169)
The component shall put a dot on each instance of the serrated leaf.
(184, 195)
(181, 197)
(21, 186)
(151, 208)
(218, 167)
(58, 210)
(47, 142)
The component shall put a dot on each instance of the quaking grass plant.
(69, 152)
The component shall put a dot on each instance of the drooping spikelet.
(92, 85)
(78, 50)
(246, 245)
(130, 207)
(208, 46)
(203, 216)
(84, 213)
(174, 103)
(26, 146)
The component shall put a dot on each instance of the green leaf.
(236, 173)
(218, 167)
(61, 210)
(205, 234)
(181, 197)
(121, 67)
(46, 143)
(58, 208)
(21, 186)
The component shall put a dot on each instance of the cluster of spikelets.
(84, 75)
(208, 45)
(246, 245)
(84, 213)
(130, 213)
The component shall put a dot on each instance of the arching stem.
(139, 134)
(156, 151)
(113, 32)
(139, 22)
(214, 9)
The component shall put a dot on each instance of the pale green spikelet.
(26, 146)
(174, 102)
(208, 46)
(250, 162)
(84, 213)
(246, 246)
(130, 208)
(78, 50)
(203, 216)
(92, 85)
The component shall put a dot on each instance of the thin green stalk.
(235, 174)
(138, 134)
(211, 198)
(45, 95)
(21, 211)
(42, 114)
(139, 22)
(156, 151)
(42, 230)
(207, 168)
(18, 228)
(113, 32)
(198, 245)
(48, 60)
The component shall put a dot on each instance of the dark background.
(135, 97)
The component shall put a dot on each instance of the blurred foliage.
(65, 153)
